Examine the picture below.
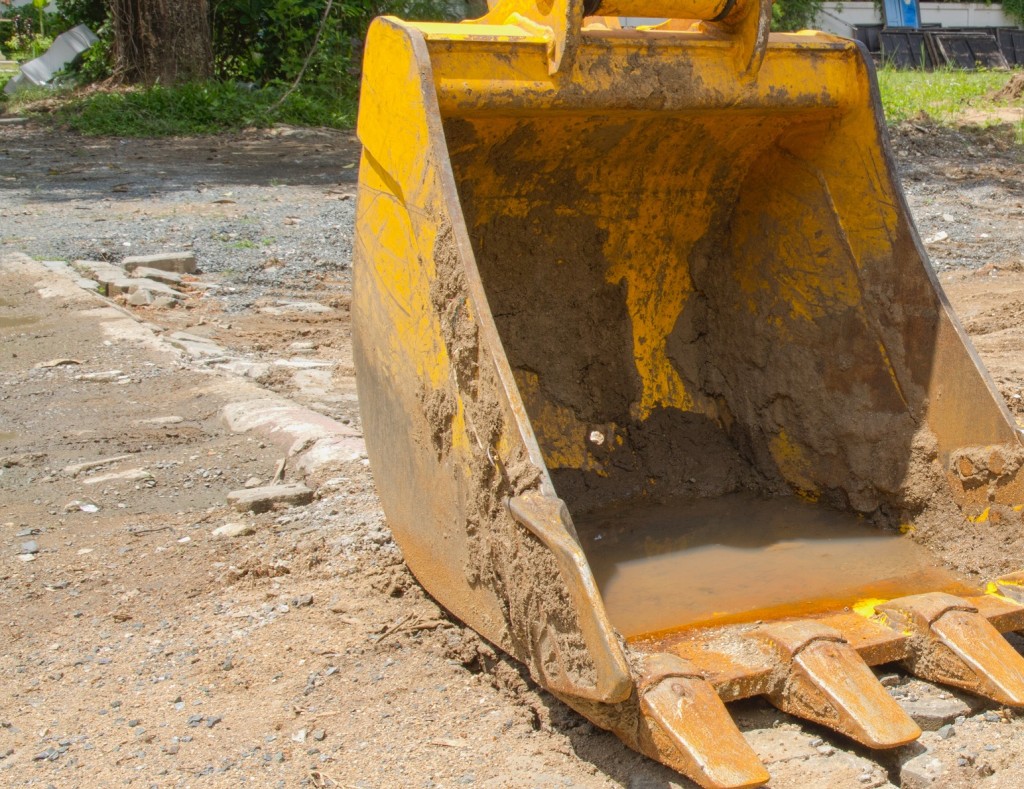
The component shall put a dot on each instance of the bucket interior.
(698, 305)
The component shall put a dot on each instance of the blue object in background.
(902, 13)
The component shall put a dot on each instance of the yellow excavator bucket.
(660, 393)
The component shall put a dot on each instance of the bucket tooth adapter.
(660, 393)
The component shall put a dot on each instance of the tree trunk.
(165, 41)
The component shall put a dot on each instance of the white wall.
(839, 18)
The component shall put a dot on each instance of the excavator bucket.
(660, 393)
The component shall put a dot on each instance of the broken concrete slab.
(157, 275)
(128, 475)
(178, 262)
(195, 345)
(268, 497)
(77, 468)
(162, 421)
(931, 714)
(287, 306)
(104, 377)
(244, 368)
(156, 288)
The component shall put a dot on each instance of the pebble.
(319, 735)
(30, 546)
(213, 720)
(302, 601)
(234, 530)
(172, 748)
(252, 482)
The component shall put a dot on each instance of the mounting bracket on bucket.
(745, 24)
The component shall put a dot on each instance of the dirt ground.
(138, 648)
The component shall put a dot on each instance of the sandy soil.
(139, 649)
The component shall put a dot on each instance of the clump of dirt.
(1011, 91)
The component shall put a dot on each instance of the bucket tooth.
(688, 727)
(823, 679)
(953, 644)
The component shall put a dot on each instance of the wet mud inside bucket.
(741, 558)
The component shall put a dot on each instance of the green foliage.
(794, 14)
(26, 37)
(939, 94)
(82, 12)
(264, 40)
(200, 108)
(1015, 10)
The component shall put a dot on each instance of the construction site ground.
(139, 648)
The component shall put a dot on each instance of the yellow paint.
(980, 518)
(866, 608)
(460, 435)
(791, 462)
(562, 437)
(907, 528)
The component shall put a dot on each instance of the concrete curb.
(315, 444)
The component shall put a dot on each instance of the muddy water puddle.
(742, 558)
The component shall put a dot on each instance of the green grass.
(939, 94)
(201, 108)
(210, 107)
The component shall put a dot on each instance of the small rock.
(213, 720)
(265, 498)
(945, 732)
(922, 771)
(299, 736)
(302, 601)
(319, 735)
(141, 298)
(194, 720)
(991, 717)
(234, 530)
(163, 302)
(29, 546)
(252, 482)
(27, 557)
(172, 748)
